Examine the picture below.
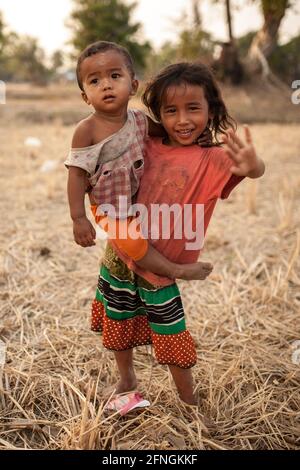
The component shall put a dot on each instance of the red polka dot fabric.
(173, 349)
(178, 350)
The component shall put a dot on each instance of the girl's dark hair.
(191, 74)
(103, 46)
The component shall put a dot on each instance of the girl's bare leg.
(184, 383)
(124, 361)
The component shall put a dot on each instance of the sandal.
(125, 402)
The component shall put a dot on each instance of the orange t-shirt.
(183, 176)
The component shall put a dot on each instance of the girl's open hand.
(243, 155)
(84, 232)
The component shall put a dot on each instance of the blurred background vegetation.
(257, 54)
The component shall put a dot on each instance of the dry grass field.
(244, 318)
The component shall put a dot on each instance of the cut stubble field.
(244, 318)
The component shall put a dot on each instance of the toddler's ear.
(85, 98)
(134, 87)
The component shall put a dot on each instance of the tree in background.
(193, 43)
(21, 57)
(263, 42)
(285, 60)
(2, 34)
(26, 61)
(229, 65)
(108, 20)
(266, 39)
(4, 41)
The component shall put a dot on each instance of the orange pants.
(125, 234)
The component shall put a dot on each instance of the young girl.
(129, 311)
(107, 155)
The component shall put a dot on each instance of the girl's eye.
(116, 75)
(170, 111)
(94, 81)
(195, 108)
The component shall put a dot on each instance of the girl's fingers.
(232, 154)
(248, 136)
(238, 141)
(232, 144)
(232, 147)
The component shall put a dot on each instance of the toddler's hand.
(84, 232)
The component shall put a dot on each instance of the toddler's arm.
(83, 230)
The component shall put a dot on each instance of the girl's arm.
(243, 155)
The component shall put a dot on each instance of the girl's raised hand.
(243, 155)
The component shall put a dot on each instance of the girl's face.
(107, 82)
(184, 113)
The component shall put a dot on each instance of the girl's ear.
(134, 87)
(85, 98)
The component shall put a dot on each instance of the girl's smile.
(184, 113)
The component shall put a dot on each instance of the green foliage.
(25, 61)
(57, 60)
(193, 43)
(157, 60)
(2, 34)
(276, 8)
(244, 43)
(285, 60)
(108, 20)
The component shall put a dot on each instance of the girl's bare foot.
(126, 385)
(193, 271)
(188, 398)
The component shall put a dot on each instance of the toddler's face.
(184, 113)
(107, 82)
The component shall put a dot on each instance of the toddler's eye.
(94, 81)
(116, 75)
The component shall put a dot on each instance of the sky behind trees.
(46, 19)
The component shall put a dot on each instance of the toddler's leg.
(144, 255)
(156, 263)
(124, 361)
(184, 383)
